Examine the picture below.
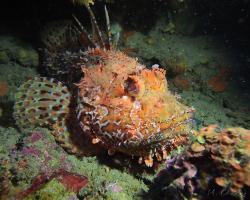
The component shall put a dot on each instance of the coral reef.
(200, 59)
(27, 156)
(215, 165)
(175, 66)
(169, 28)
(14, 69)
(4, 87)
(14, 74)
(47, 187)
(181, 83)
(15, 50)
(219, 82)
(52, 190)
(4, 58)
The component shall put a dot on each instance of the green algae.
(18, 51)
(9, 137)
(14, 74)
(203, 56)
(4, 58)
(100, 176)
(27, 57)
(16, 60)
(53, 190)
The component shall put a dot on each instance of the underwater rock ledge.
(216, 165)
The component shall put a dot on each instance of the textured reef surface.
(40, 155)
(216, 165)
(89, 123)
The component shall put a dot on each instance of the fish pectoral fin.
(41, 102)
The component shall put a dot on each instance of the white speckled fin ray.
(108, 27)
(95, 28)
(83, 31)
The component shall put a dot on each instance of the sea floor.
(201, 70)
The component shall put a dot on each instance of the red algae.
(181, 83)
(219, 82)
(31, 151)
(71, 181)
(35, 136)
(38, 182)
(4, 88)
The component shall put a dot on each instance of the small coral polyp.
(128, 108)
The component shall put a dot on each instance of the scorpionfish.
(112, 102)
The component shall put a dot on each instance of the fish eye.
(131, 86)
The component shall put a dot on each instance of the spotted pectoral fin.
(41, 102)
(73, 140)
(63, 137)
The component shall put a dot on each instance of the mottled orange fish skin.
(128, 108)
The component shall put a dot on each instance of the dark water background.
(227, 19)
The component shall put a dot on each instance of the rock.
(4, 58)
(27, 57)
(15, 50)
